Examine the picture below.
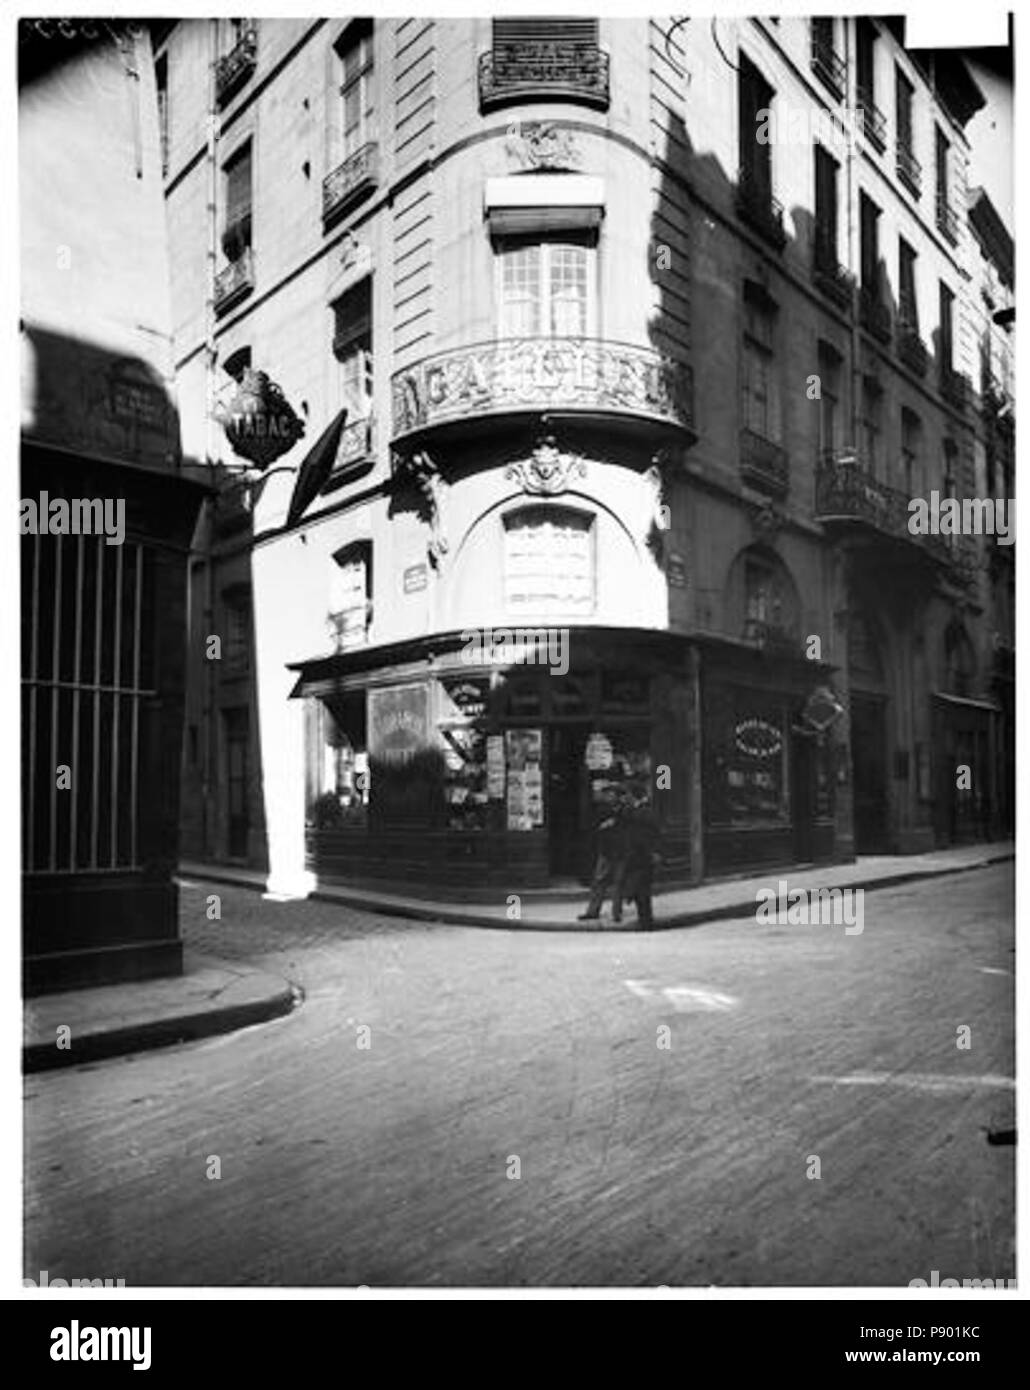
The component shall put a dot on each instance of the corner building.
(540, 268)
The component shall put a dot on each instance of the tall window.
(351, 595)
(941, 148)
(946, 346)
(872, 425)
(237, 231)
(903, 93)
(352, 347)
(754, 95)
(354, 51)
(865, 38)
(545, 288)
(908, 307)
(825, 209)
(161, 76)
(548, 562)
(869, 233)
(236, 605)
(761, 398)
(910, 452)
(829, 397)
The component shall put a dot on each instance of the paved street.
(640, 1165)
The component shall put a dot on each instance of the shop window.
(746, 757)
(545, 287)
(548, 563)
(337, 775)
(351, 596)
(352, 347)
(473, 761)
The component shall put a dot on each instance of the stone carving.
(542, 145)
(548, 470)
(766, 520)
(428, 481)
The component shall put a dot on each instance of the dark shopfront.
(425, 766)
(771, 763)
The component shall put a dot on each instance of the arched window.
(762, 596)
(548, 562)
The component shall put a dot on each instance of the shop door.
(802, 800)
(568, 822)
(869, 762)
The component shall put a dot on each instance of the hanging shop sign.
(822, 709)
(757, 738)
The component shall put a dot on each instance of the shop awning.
(965, 702)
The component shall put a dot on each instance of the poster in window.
(398, 722)
(495, 767)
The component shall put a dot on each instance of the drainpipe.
(210, 358)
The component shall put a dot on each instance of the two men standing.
(627, 834)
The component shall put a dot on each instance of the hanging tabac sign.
(822, 708)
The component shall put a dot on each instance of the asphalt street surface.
(468, 1107)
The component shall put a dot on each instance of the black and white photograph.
(517, 677)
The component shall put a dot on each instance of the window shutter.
(513, 33)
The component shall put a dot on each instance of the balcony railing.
(947, 219)
(763, 463)
(831, 277)
(759, 209)
(909, 170)
(873, 314)
(543, 71)
(350, 181)
(874, 122)
(846, 491)
(953, 387)
(235, 281)
(232, 70)
(828, 65)
(514, 375)
(910, 348)
(774, 638)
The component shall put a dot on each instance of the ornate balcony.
(947, 219)
(232, 70)
(874, 122)
(235, 282)
(828, 65)
(847, 494)
(763, 464)
(350, 181)
(759, 209)
(542, 375)
(909, 170)
(543, 71)
(873, 314)
(910, 348)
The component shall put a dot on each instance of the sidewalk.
(679, 907)
(210, 997)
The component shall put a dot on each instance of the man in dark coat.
(636, 869)
(608, 858)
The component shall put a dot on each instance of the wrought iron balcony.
(846, 492)
(831, 277)
(874, 122)
(759, 209)
(235, 282)
(873, 314)
(910, 347)
(543, 71)
(763, 464)
(528, 375)
(233, 69)
(827, 64)
(909, 170)
(947, 219)
(954, 387)
(350, 181)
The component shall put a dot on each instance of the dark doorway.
(869, 763)
(802, 797)
(568, 816)
(237, 757)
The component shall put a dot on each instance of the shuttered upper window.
(538, 58)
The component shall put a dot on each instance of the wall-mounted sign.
(757, 738)
(398, 722)
(416, 577)
(676, 571)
